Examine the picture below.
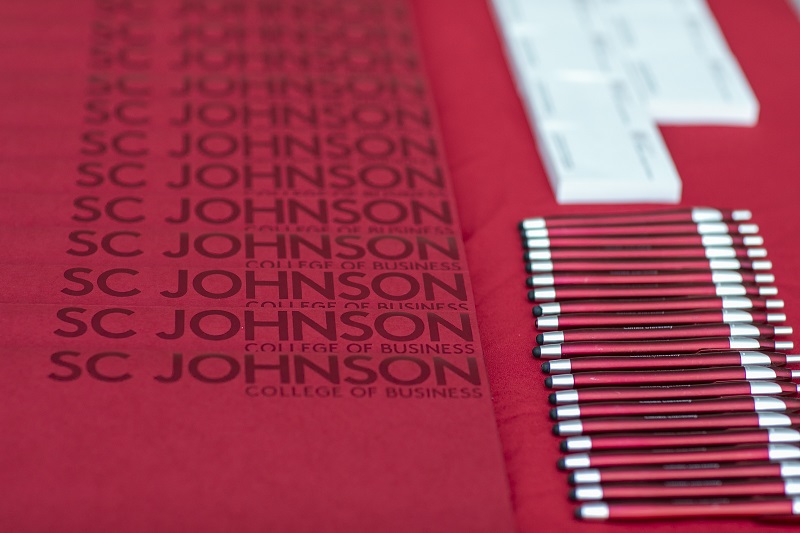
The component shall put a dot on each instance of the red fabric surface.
(120, 446)
(499, 180)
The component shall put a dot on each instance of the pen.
(637, 277)
(677, 472)
(653, 305)
(662, 407)
(674, 422)
(648, 291)
(644, 240)
(645, 252)
(646, 264)
(769, 452)
(696, 214)
(659, 318)
(702, 228)
(668, 361)
(666, 346)
(691, 489)
(666, 392)
(731, 437)
(669, 377)
(631, 511)
(662, 332)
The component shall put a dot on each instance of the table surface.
(499, 179)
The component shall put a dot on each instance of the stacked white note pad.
(597, 75)
(676, 57)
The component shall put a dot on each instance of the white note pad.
(678, 61)
(564, 55)
(596, 76)
(593, 166)
(597, 141)
(597, 104)
(709, 90)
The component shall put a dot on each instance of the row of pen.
(661, 337)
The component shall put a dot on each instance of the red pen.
(769, 452)
(654, 305)
(686, 228)
(732, 437)
(673, 407)
(646, 264)
(644, 511)
(637, 277)
(662, 332)
(645, 252)
(674, 422)
(666, 392)
(687, 472)
(665, 362)
(678, 472)
(696, 214)
(669, 377)
(536, 239)
(660, 318)
(571, 349)
(690, 489)
(648, 291)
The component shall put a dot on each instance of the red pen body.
(683, 439)
(651, 290)
(688, 472)
(671, 407)
(645, 252)
(664, 346)
(665, 392)
(769, 452)
(602, 363)
(668, 377)
(691, 489)
(655, 305)
(544, 239)
(588, 426)
(666, 265)
(639, 277)
(661, 332)
(657, 318)
(652, 511)
(696, 214)
(669, 228)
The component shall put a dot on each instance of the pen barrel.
(736, 388)
(615, 242)
(668, 457)
(661, 264)
(606, 265)
(666, 332)
(696, 215)
(696, 489)
(665, 318)
(709, 276)
(674, 472)
(721, 438)
(694, 252)
(675, 422)
(673, 362)
(642, 291)
(659, 377)
(666, 346)
(674, 510)
(675, 228)
(657, 304)
(743, 404)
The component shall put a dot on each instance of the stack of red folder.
(660, 336)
